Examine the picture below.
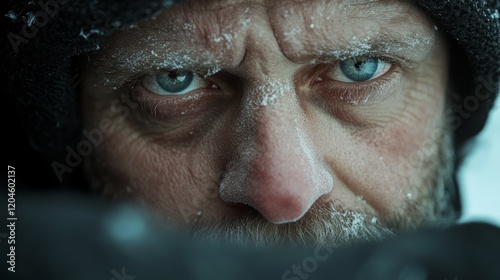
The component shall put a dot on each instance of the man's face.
(275, 121)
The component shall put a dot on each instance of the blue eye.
(174, 82)
(360, 69)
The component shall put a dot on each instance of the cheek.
(381, 163)
(175, 181)
(390, 168)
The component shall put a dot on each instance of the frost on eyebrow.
(175, 45)
(344, 29)
(119, 64)
(405, 47)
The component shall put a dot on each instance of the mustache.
(327, 223)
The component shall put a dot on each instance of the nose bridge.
(274, 169)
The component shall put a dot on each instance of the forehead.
(220, 31)
(332, 15)
(228, 9)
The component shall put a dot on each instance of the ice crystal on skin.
(212, 71)
(271, 91)
(227, 38)
(245, 22)
(290, 35)
(356, 227)
(153, 58)
(361, 45)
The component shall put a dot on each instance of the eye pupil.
(359, 69)
(174, 81)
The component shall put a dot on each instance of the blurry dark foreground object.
(67, 236)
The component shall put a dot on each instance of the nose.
(275, 169)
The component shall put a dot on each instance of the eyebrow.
(403, 47)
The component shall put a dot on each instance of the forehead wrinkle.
(400, 10)
(177, 30)
(339, 22)
(211, 18)
(217, 27)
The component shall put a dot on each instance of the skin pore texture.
(271, 143)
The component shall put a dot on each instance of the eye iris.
(173, 81)
(359, 69)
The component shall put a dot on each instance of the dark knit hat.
(43, 37)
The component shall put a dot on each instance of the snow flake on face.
(357, 222)
(227, 38)
(188, 26)
(245, 22)
(290, 35)
(212, 71)
(270, 91)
